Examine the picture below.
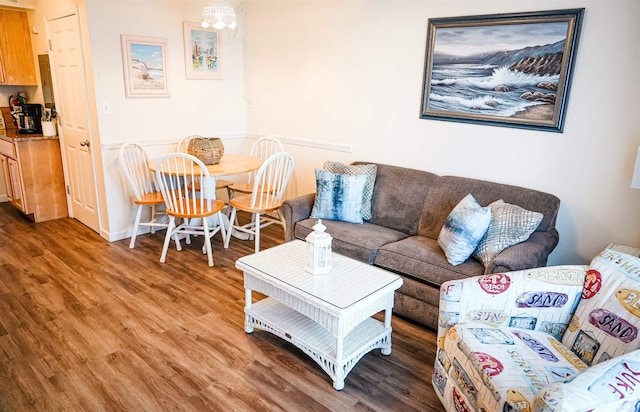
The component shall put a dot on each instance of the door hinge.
(50, 48)
(68, 190)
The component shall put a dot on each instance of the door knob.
(85, 143)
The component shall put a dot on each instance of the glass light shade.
(318, 250)
(219, 14)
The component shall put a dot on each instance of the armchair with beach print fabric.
(560, 338)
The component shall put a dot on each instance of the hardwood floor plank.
(88, 325)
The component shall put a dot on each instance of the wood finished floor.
(88, 325)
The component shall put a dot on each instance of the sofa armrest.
(541, 298)
(531, 253)
(295, 210)
(607, 386)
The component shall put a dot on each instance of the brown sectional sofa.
(409, 208)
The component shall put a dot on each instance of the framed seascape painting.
(510, 70)
(201, 52)
(145, 66)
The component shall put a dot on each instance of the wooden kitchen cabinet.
(17, 64)
(32, 169)
(12, 180)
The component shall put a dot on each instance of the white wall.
(205, 107)
(351, 72)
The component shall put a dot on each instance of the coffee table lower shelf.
(314, 340)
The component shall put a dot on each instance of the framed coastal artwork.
(201, 52)
(510, 70)
(145, 66)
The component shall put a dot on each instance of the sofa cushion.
(338, 197)
(370, 170)
(359, 242)
(464, 228)
(422, 258)
(398, 197)
(606, 321)
(447, 191)
(510, 225)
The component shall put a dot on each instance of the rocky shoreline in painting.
(508, 84)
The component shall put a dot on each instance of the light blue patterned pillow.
(464, 228)
(338, 197)
(371, 170)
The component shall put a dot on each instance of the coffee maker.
(28, 118)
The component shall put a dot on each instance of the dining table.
(229, 164)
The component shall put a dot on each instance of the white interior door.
(72, 104)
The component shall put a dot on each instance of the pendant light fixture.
(219, 14)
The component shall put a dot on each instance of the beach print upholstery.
(500, 339)
(613, 385)
(606, 322)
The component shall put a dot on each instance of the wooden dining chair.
(263, 148)
(142, 185)
(198, 209)
(267, 194)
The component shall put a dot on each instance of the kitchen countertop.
(11, 133)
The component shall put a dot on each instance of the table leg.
(247, 306)
(387, 326)
(338, 382)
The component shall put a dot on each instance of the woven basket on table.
(208, 149)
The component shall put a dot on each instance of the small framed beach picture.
(201, 52)
(510, 70)
(145, 66)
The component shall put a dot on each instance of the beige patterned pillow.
(370, 170)
(510, 225)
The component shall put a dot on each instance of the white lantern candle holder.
(318, 250)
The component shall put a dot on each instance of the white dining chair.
(263, 148)
(142, 185)
(198, 209)
(266, 196)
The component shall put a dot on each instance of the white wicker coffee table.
(326, 316)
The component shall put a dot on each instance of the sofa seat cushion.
(423, 259)
(500, 368)
(359, 242)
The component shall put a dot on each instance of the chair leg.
(230, 230)
(167, 239)
(136, 224)
(153, 218)
(207, 241)
(256, 219)
(223, 230)
(229, 197)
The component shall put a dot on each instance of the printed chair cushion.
(370, 170)
(338, 197)
(606, 321)
(501, 368)
(510, 225)
(465, 226)
(613, 385)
